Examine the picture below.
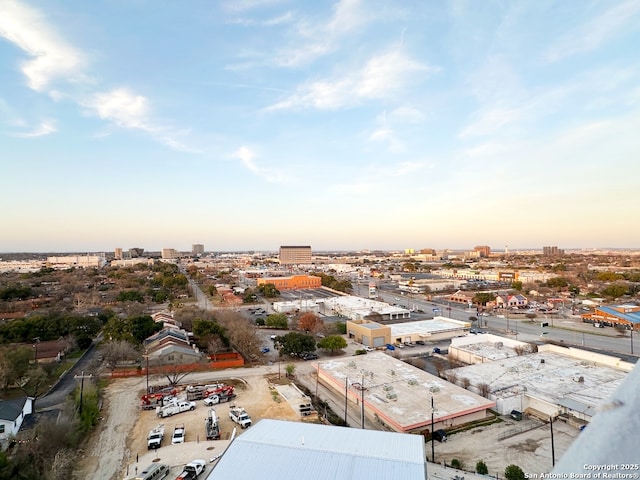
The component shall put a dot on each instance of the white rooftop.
(280, 450)
(413, 388)
(427, 328)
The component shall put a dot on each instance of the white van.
(155, 471)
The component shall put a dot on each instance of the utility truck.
(211, 425)
(156, 434)
(174, 408)
(240, 416)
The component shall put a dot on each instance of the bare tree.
(118, 351)
(465, 382)
(484, 389)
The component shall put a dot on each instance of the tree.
(482, 468)
(268, 290)
(332, 343)
(290, 369)
(277, 320)
(482, 298)
(14, 364)
(309, 322)
(615, 291)
(294, 343)
(513, 472)
(116, 351)
(557, 282)
(517, 285)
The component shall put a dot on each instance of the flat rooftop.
(426, 328)
(410, 389)
(547, 375)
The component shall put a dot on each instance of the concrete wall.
(588, 356)
(366, 335)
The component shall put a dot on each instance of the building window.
(1, 428)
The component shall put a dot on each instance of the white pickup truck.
(240, 416)
(154, 440)
(174, 408)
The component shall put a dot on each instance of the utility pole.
(553, 451)
(82, 376)
(346, 393)
(433, 451)
(362, 398)
(36, 341)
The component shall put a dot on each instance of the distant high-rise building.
(295, 255)
(427, 251)
(136, 252)
(484, 250)
(197, 249)
(117, 254)
(169, 253)
(409, 251)
(552, 251)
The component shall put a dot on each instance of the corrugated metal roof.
(632, 317)
(274, 449)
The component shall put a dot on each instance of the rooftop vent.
(413, 381)
(434, 389)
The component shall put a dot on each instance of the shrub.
(513, 472)
(455, 463)
(481, 467)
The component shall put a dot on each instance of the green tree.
(557, 282)
(294, 343)
(615, 291)
(482, 298)
(516, 285)
(482, 468)
(277, 320)
(268, 290)
(513, 472)
(290, 369)
(141, 327)
(341, 328)
(130, 296)
(332, 343)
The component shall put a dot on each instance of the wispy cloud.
(382, 76)
(55, 62)
(45, 128)
(248, 156)
(285, 18)
(593, 33)
(236, 6)
(53, 58)
(356, 188)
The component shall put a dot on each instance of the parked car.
(516, 415)
(390, 347)
(419, 342)
(308, 356)
(436, 350)
(265, 350)
(369, 349)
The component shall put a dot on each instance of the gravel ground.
(119, 445)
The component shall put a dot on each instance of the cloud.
(356, 188)
(382, 76)
(244, 5)
(247, 157)
(406, 114)
(53, 58)
(388, 136)
(595, 32)
(286, 17)
(45, 128)
(314, 38)
(127, 109)
(55, 61)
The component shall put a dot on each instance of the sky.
(344, 125)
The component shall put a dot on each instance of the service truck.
(156, 434)
(174, 408)
(192, 470)
(211, 425)
(240, 416)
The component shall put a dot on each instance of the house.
(505, 300)
(12, 415)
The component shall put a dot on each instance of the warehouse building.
(399, 396)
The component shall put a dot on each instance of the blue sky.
(250, 124)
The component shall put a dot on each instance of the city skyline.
(347, 125)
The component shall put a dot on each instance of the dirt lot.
(122, 438)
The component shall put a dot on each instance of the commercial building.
(399, 396)
(293, 282)
(553, 381)
(280, 450)
(117, 254)
(170, 254)
(295, 255)
(484, 250)
(197, 249)
(627, 316)
(82, 261)
(374, 334)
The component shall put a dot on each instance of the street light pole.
(35, 346)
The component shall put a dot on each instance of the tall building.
(295, 255)
(197, 249)
(552, 251)
(117, 254)
(169, 253)
(484, 250)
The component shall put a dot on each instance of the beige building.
(295, 255)
(169, 254)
